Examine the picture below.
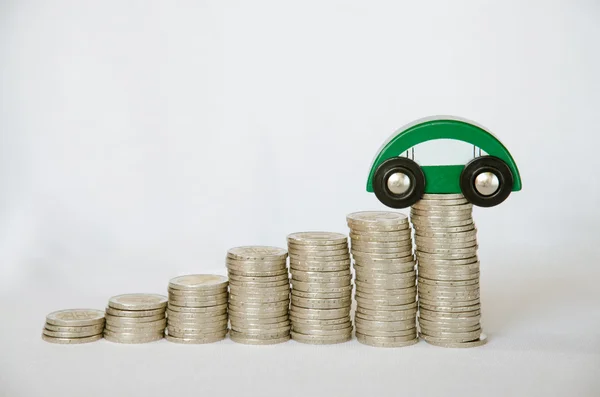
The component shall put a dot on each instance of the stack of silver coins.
(74, 326)
(448, 266)
(386, 292)
(321, 287)
(259, 295)
(197, 310)
(135, 318)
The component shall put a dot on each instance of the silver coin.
(446, 247)
(400, 325)
(321, 339)
(134, 313)
(198, 303)
(322, 295)
(392, 316)
(474, 264)
(129, 340)
(392, 269)
(431, 203)
(385, 303)
(434, 301)
(135, 328)
(321, 303)
(443, 256)
(308, 329)
(264, 306)
(439, 283)
(196, 282)
(382, 245)
(389, 339)
(201, 298)
(375, 218)
(133, 320)
(434, 315)
(445, 240)
(441, 223)
(138, 301)
(256, 252)
(318, 274)
(210, 309)
(326, 267)
(395, 252)
(384, 284)
(198, 334)
(448, 278)
(444, 289)
(471, 338)
(442, 196)
(368, 277)
(242, 319)
(480, 342)
(85, 328)
(312, 248)
(253, 279)
(316, 238)
(250, 290)
(441, 234)
(365, 340)
(246, 273)
(324, 314)
(260, 299)
(243, 339)
(450, 212)
(200, 294)
(176, 316)
(259, 330)
(314, 258)
(296, 328)
(431, 324)
(80, 334)
(312, 322)
(398, 236)
(72, 341)
(75, 317)
(194, 340)
(409, 333)
(306, 286)
(391, 299)
(447, 251)
(249, 267)
(449, 309)
(233, 284)
(327, 281)
(447, 328)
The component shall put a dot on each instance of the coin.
(193, 282)
(259, 253)
(316, 238)
(78, 334)
(133, 313)
(133, 320)
(183, 309)
(376, 218)
(71, 341)
(188, 340)
(321, 339)
(138, 301)
(75, 317)
(132, 340)
(76, 329)
(384, 342)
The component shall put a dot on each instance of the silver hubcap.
(487, 183)
(398, 183)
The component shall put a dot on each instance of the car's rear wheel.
(399, 182)
(486, 181)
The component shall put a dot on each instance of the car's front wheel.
(486, 181)
(399, 182)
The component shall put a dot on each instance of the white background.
(139, 140)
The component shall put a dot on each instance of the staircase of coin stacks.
(257, 302)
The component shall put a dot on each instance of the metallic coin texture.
(448, 271)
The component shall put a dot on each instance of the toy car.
(485, 181)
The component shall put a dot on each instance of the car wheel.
(486, 181)
(399, 182)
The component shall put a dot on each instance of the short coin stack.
(321, 287)
(135, 318)
(197, 310)
(448, 284)
(386, 293)
(73, 326)
(259, 296)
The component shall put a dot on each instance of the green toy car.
(485, 181)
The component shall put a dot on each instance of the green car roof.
(443, 178)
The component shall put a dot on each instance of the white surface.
(140, 140)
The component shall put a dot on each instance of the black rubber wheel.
(486, 164)
(407, 167)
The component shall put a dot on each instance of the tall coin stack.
(259, 296)
(448, 283)
(384, 264)
(321, 287)
(135, 318)
(73, 326)
(197, 310)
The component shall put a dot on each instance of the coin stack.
(197, 310)
(321, 287)
(384, 264)
(259, 295)
(448, 282)
(73, 326)
(135, 318)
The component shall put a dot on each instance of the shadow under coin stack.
(321, 287)
(74, 326)
(259, 297)
(135, 318)
(197, 310)
(384, 264)
(448, 283)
